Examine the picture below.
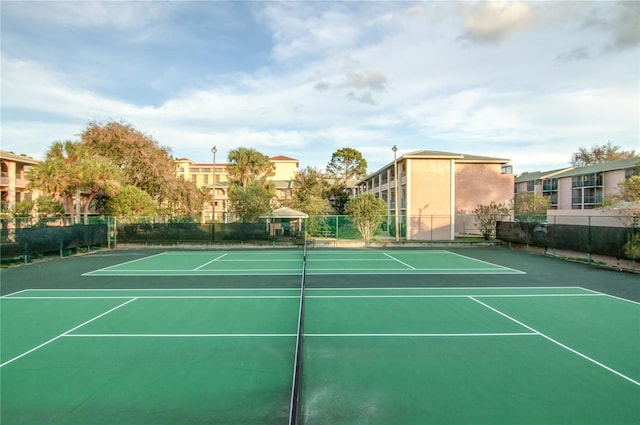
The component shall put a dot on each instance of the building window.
(385, 178)
(549, 184)
(550, 191)
(586, 198)
(531, 186)
(587, 180)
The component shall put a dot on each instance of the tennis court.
(461, 336)
(270, 262)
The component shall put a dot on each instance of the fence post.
(634, 225)
(589, 237)
(431, 229)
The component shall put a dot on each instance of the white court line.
(264, 260)
(439, 288)
(558, 343)
(154, 289)
(486, 262)
(209, 262)
(191, 273)
(178, 335)
(198, 297)
(452, 296)
(610, 296)
(368, 252)
(416, 272)
(67, 332)
(192, 270)
(401, 262)
(296, 291)
(121, 264)
(346, 335)
(14, 293)
(426, 335)
(341, 288)
(160, 297)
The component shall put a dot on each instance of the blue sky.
(528, 81)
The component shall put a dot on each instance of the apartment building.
(578, 188)
(433, 187)
(203, 174)
(13, 179)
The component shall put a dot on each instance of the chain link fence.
(23, 240)
(617, 237)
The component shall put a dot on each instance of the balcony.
(596, 199)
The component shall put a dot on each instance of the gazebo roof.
(285, 212)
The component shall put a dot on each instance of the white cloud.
(33, 138)
(494, 20)
(31, 86)
(624, 26)
(301, 29)
(371, 79)
(88, 14)
(367, 76)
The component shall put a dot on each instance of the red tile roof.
(282, 158)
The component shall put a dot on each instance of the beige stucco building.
(578, 188)
(202, 174)
(436, 187)
(13, 179)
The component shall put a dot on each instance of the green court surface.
(207, 263)
(122, 340)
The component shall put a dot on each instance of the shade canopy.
(285, 212)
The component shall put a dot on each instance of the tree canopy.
(250, 193)
(247, 164)
(308, 192)
(70, 169)
(600, 153)
(250, 202)
(487, 217)
(144, 163)
(108, 157)
(347, 164)
(628, 196)
(530, 204)
(131, 201)
(339, 195)
(368, 212)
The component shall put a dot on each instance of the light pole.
(395, 185)
(213, 186)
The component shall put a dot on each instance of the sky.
(532, 82)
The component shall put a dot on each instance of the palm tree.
(246, 164)
(58, 174)
(69, 169)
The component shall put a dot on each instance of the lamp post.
(395, 185)
(213, 187)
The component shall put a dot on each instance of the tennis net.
(294, 410)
